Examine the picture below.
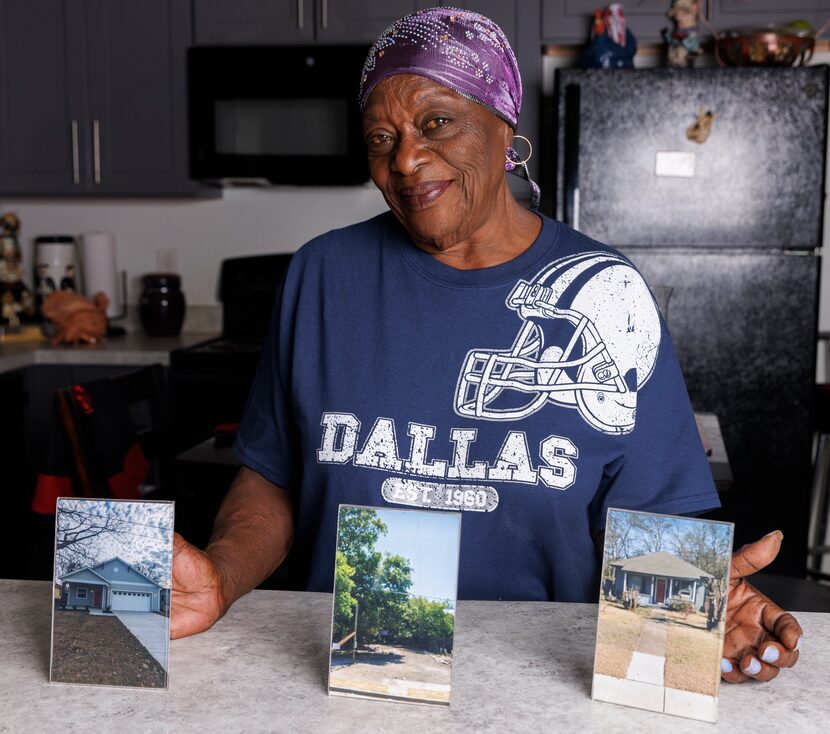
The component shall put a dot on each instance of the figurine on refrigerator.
(16, 301)
(612, 44)
(683, 41)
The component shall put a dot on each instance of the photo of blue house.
(660, 576)
(112, 589)
(112, 585)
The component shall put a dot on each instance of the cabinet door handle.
(96, 150)
(76, 160)
(300, 14)
(325, 20)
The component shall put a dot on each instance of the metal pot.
(770, 45)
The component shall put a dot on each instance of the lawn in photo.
(662, 613)
(111, 592)
(393, 621)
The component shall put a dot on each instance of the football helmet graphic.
(589, 340)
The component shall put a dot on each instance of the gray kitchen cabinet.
(734, 13)
(93, 98)
(137, 96)
(41, 97)
(569, 21)
(228, 22)
(360, 21)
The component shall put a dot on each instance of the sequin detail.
(459, 49)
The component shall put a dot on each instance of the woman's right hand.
(198, 599)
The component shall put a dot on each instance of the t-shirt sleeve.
(267, 438)
(663, 467)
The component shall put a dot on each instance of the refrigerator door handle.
(570, 215)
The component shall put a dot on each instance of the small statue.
(10, 309)
(77, 319)
(15, 297)
(699, 130)
(683, 41)
(612, 45)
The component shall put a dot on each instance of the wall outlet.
(167, 261)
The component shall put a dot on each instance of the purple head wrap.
(458, 49)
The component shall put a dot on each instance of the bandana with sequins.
(458, 49)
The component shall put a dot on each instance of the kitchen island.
(519, 666)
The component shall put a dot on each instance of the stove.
(228, 346)
(210, 381)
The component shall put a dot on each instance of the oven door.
(284, 114)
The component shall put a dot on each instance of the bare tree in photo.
(652, 533)
(618, 535)
(707, 546)
(76, 534)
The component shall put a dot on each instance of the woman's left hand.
(761, 638)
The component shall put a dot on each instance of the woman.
(393, 379)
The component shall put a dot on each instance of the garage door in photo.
(131, 601)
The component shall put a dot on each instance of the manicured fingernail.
(770, 654)
(798, 644)
(725, 666)
(754, 667)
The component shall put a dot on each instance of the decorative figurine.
(15, 298)
(698, 131)
(612, 45)
(77, 319)
(683, 41)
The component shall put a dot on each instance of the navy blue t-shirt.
(531, 396)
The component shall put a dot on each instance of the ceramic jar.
(162, 304)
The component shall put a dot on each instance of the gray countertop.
(519, 666)
(134, 348)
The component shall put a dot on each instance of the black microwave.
(281, 114)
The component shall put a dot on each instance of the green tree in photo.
(379, 583)
(427, 623)
(376, 586)
(357, 533)
(344, 602)
(388, 597)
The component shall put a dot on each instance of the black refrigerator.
(727, 232)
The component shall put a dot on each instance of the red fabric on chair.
(92, 450)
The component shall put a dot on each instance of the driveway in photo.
(151, 631)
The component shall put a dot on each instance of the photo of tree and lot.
(111, 592)
(662, 613)
(395, 585)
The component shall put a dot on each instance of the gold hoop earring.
(529, 152)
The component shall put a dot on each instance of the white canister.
(101, 269)
(56, 266)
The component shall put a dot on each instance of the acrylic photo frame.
(111, 593)
(394, 604)
(662, 613)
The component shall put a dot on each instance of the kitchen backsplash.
(196, 235)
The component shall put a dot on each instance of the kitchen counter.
(519, 666)
(132, 349)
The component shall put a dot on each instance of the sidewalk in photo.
(150, 630)
(649, 659)
(643, 685)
